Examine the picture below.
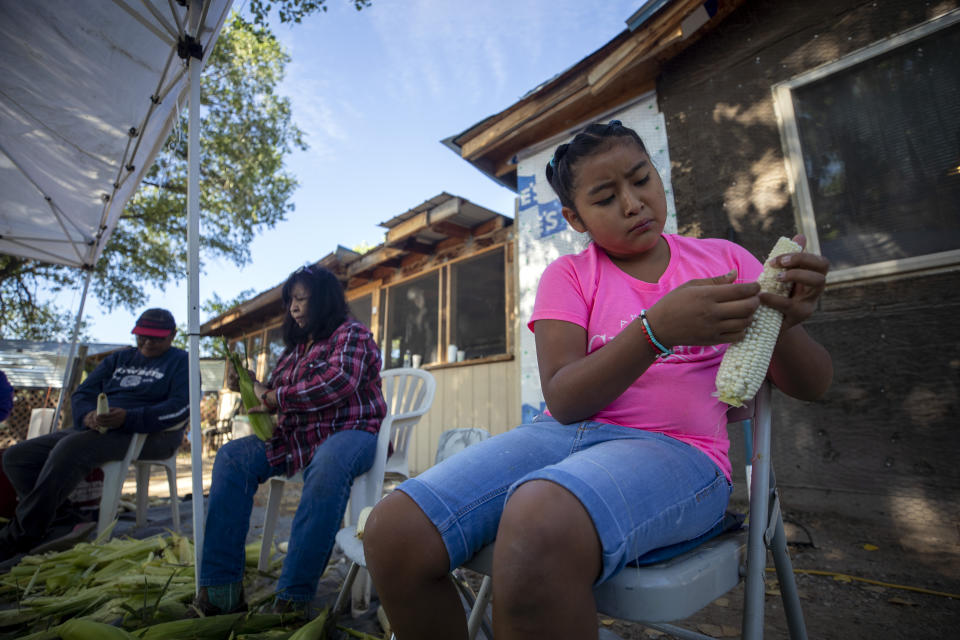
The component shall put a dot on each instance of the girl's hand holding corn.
(808, 274)
(705, 311)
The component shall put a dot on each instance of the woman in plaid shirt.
(325, 391)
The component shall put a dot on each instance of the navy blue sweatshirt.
(154, 391)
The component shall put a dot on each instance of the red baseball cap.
(155, 323)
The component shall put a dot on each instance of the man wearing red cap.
(147, 392)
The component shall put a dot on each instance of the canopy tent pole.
(68, 374)
(195, 64)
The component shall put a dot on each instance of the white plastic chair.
(41, 422)
(408, 394)
(680, 586)
(115, 472)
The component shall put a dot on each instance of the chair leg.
(479, 607)
(143, 492)
(788, 584)
(360, 594)
(113, 475)
(174, 500)
(270, 521)
(344, 596)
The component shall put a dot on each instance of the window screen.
(412, 323)
(274, 348)
(881, 150)
(478, 310)
(362, 309)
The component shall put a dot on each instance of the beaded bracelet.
(648, 332)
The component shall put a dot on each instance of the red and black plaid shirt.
(332, 386)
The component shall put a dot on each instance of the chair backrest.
(41, 422)
(409, 394)
(227, 420)
(456, 440)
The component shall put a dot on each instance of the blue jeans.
(44, 470)
(240, 467)
(643, 490)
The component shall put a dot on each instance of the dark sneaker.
(202, 608)
(79, 533)
(298, 608)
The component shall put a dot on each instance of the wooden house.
(840, 119)
(438, 292)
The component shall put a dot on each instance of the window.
(412, 322)
(275, 347)
(362, 309)
(477, 311)
(254, 347)
(460, 306)
(871, 145)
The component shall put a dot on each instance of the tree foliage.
(246, 133)
(214, 306)
(293, 10)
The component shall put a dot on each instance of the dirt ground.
(835, 607)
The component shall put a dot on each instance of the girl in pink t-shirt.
(632, 454)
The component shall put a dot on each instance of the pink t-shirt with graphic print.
(674, 396)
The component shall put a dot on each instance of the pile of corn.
(124, 588)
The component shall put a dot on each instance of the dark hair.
(594, 138)
(326, 310)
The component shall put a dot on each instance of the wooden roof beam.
(407, 228)
(476, 146)
(575, 109)
(412, 245)
(373, 259)
(450, 229)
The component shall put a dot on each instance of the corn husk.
(260, 423)
(140, 584)
(313, 630)
(84, 629)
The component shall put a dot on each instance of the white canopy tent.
(89, 92)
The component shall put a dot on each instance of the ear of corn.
(362, 521)
(83, 629)
(207, 627)
(103, 406)
(137, 583)
(313, 630)
(260, 423)
(744, 366)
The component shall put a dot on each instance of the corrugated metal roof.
(38, 365)
(32, 365)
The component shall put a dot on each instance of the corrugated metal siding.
(481, 395)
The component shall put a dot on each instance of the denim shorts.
(643, 490)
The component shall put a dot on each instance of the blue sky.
(375, 91)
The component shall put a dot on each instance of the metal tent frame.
(88, 95)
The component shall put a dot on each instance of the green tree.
(246, 133)
(214, 306)
(293, 10)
